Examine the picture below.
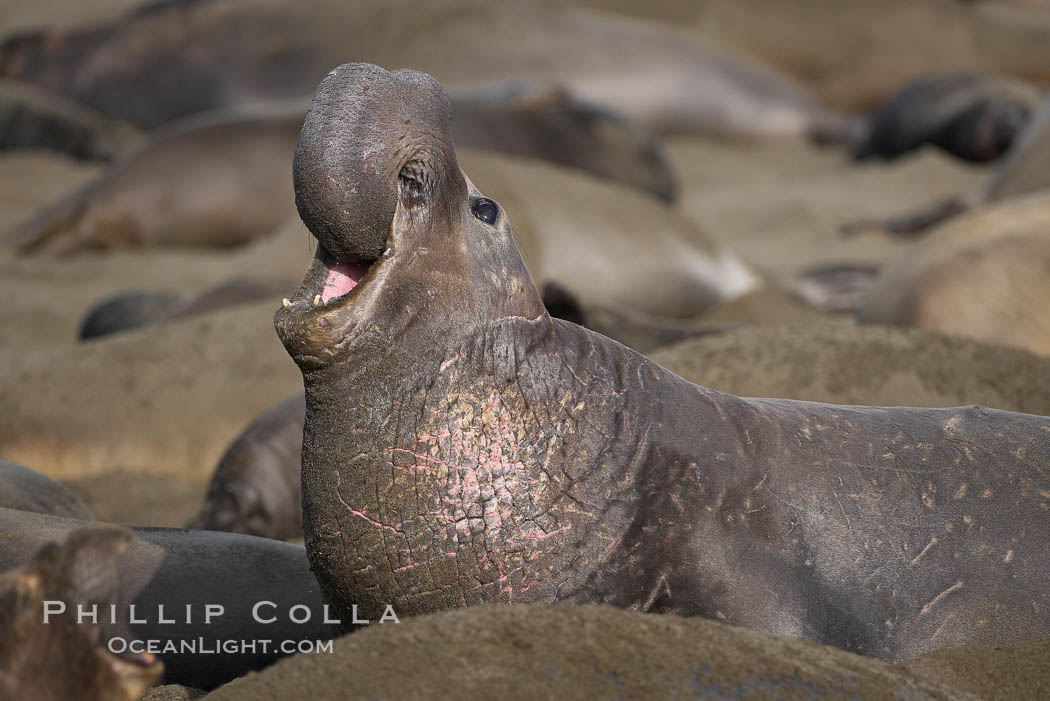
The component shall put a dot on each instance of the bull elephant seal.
(970, 115)
(255, 488)
(62, 659)
(28, 490)
(222, 179)
(175, 568)
(461, 446)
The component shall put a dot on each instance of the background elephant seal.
(461, 446)
(538, 652)
(136, 308)
(221, 179)
(175, 568)
(128, 310)
(255, 488)
(1023, 170)
(28, 490)
(246, 51)
(31, 117)
(970, 115)
(983, 277)
(61, 659)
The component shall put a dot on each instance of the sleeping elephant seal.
(28, 490)
(985, 276)
(31, 117)
(1024, 169)
(221, 179)
(461, 446)
(972, 116)
(137, 308)
(59, 659)
(184, 57)
(175, 569)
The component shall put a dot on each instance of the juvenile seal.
(984, 277)
(222, 179)
(972, 116)
(62, 659)
(28, 490)
(255, 488)
(136, 308)
(175, 568)
(1022, 170)
(461, 446)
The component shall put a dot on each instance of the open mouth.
(330, 283)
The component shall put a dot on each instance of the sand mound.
(526, 652)
(841, 363)
(164, 400)
(999, 674)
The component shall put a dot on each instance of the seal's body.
(461, 446)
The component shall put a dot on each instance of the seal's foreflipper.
(914, 223)
(834, 287)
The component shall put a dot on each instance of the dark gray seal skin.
(62, 659)
(128, 310)
(31, 117)
(175, 568)
(461, 446)
(256, 487)
(1022, 171)
(222, 179)
(28, 490)
(972, 116)
(182, 58)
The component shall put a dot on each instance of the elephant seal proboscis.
(462, 447)
(28, 490)
(175, 569)
(61, 659)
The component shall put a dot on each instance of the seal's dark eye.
(485, 209)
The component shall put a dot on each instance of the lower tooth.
(317, 299)
(285, 302)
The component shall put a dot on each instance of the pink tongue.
(342, 278)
